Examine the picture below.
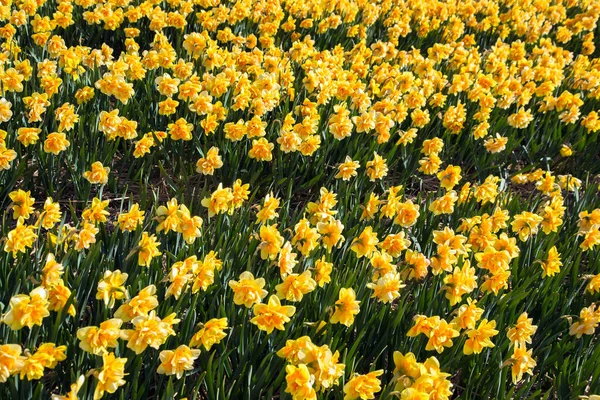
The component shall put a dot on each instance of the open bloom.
(138, 306)
(441, 336)
(110, 376)
(387, 287)
(176, 362)
(261, 150)
(210, 333)
(98, 174)
(20, 238)
(480, 337)
(347, 169)
(97, 340)
(272, 315)
(112, 287)
(364, 244)
(522, 331)
(248, 291)
(377, 168)
(295, 286)
(271, 241)
(148, 249)
(300, 382)
(521, 363)
(56, 142)
(586, 323)
(211, 162)
(22, 203)
(11, 360)
(27, 310)
(363, 386)
(48, 355)
(346, 307)
(149, 330)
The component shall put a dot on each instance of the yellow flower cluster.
(189, 185)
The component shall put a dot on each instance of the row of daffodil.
(371, 88)
(492, 249)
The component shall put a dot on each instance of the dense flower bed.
(248, 199)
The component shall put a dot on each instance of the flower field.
(274, 199)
